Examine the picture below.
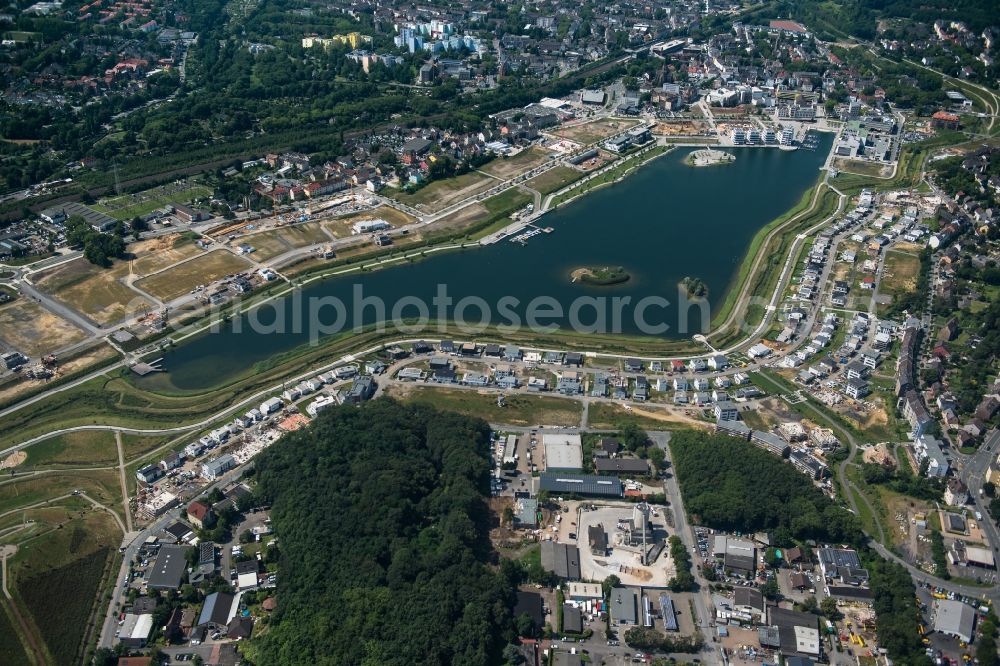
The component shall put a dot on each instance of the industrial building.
(563, 452)
(561, 559)
(580, 484)
(167, 572)
(135, 630)
(954, 618)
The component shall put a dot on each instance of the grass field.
(57, 577)
(269, 244)
(554, 179)
(100, 484)
(28, 327)
(899, 276)
(508, 167)
(74, 449)
(94, 291)
(440, 194)
(180, 279)
(519, 409)
(139, 445)
(128, 206)
(595, 130)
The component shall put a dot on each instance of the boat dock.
(143, 369)
(518, 232)
(531, 232)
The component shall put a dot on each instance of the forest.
(384, 541)
(732, 485)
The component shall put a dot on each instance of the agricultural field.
(67, 564)
(128, 206)
(270, 244)
(508, 167)
(74, 449)
(519, 409)
(10, 645)
(28, 327)
(595, 130)
(554, 179)
(440, 194)
(98, 293)
(182, 278)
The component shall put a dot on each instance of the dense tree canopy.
(383, 527)
(732, 485)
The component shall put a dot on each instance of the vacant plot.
(101, 484)
(74, 449)
(269, 244)
(182, 278)
(608, 416)
(899, 275)
(156, 254)
(388, 213)
(518, 409)
(595, 130)
(128, 206)
(554, 179)
(863, 167)
(139, 445)
(440, 194)
(96, 292)
(508, 167)
(28, 327)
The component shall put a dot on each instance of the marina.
(531, 232)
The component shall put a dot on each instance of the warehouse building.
(580, 484)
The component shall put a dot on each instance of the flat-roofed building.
(955, 618)
(563, 452)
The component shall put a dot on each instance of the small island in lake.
(709, 157)
(695, 288)
(600, 275)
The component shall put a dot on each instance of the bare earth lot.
(594, 130)
(96, 292)
(269, 244)
(156, 254)
(173, 282)
(28, 327)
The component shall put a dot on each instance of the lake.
(663, 223)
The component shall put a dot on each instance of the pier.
(143, 369)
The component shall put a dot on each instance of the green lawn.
(554, 179)
(80, 449)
